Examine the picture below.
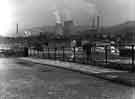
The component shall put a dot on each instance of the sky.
(33, 13)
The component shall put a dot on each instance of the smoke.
(66, 15)
(67, 10)
(80, 9)
(81, 5)
(91, 9)
(58, 17)
(57, 14)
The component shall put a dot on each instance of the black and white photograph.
(67, 49)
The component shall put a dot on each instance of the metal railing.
(118, 57)
(60, 97)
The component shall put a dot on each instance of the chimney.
(93, 23)
(98, 23)
(16, 28)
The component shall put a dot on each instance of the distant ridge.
(128, 26)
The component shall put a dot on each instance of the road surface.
(23, 80)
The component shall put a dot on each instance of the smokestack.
(16, 28)
(98, 23)
(93, 23)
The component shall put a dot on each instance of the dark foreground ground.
(23, 80)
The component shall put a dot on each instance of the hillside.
(128, 26)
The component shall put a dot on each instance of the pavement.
(116, 76)
(21, 79)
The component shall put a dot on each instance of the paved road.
(22, 80)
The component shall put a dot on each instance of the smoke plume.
(66, 15)
(81, 5)
(57, 15)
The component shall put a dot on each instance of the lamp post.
(26, 49)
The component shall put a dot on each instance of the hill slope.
(128, 26)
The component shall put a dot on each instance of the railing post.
(38, 52)
(91, 57)
(63, 54)
(94, 54)
(48, 52)
(33, 51)
(29, 52)
(88, 56)
(132, 53)
(55, 50)
(74, 54)
(106, 54)
(43, 54)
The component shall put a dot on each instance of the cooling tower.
(93, 23)
(59, 29)
(68, 27)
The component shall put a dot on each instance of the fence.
(60, 97)
(116, 56)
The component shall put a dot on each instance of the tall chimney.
(16, 28)
(93, 23)
(98, 23)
